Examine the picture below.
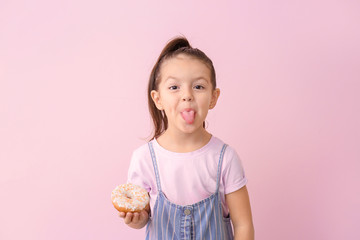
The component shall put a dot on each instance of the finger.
(135, 218)
(144, 214)
(122, 214)
(128, 218)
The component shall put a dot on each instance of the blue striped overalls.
(201, 220)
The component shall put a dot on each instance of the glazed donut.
(130, 198)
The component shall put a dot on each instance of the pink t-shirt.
(187, 178)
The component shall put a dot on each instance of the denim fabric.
(201, 220)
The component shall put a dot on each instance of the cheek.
(170, 105)
(205, 101)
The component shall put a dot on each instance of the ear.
(214, 98)
(155, 95)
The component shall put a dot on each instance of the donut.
(130, 198)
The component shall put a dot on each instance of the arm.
(240, 214)
(138, 173)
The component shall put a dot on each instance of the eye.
(173, 87)
(199, 87)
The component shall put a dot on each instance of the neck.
(184, 142)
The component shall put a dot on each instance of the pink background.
(73, 78)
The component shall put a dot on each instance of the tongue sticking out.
(188, 116)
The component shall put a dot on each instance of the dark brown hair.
(174, 47)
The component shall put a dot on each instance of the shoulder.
(231, 159)
(141, 158)
(141, 151)
(231, 154)
(229, 151)
(141, 171)
(233, 173)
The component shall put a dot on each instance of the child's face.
(185, 92)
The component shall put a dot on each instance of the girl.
(196, 182)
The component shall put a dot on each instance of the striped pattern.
(202, 220)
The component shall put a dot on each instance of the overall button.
(187, 211)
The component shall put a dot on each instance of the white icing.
(130, 196)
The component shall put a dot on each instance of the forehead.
(183, 65)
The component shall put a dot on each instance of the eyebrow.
(195, 79)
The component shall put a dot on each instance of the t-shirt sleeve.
(138, 172)
(233, 174)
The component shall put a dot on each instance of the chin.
(191, 128)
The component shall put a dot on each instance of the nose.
(187, 96)
(187, 99)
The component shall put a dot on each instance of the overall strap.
(153, 158)
(219, 167)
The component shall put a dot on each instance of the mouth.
(188, 115)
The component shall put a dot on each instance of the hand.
(135, 220)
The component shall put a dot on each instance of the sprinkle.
(130, 196)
